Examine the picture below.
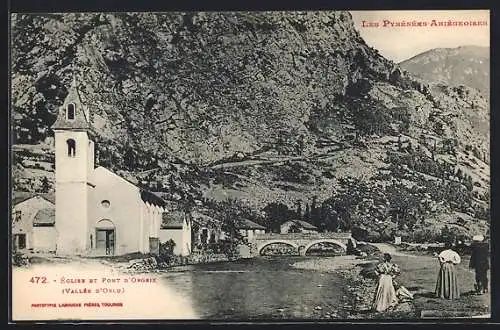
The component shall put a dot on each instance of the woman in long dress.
(385, 295)
(447, 284)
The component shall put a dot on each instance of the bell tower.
(74, 163)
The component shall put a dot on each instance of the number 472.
(38, 279)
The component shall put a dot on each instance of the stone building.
(176, 226)
(249, 229)
(33, 222)
(205, 230)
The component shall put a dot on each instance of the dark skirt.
(447, 284)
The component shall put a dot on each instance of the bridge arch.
(325, 240)
(276, 241)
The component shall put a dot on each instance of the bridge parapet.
(303, 236)
(301, 241)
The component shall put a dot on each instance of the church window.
(18, 216)
(70, 113)
(105, 203)
(71, 147)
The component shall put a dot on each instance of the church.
(96, 211)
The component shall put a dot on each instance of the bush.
(368, 249)
(229, 247)
(452, 234)
(166, 251)
(20, 259)
(424, 235)
(362, 234)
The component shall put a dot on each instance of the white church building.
(96, 211)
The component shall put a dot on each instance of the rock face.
(466, 65)
(263, 107)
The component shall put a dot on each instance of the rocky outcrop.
(297, 100)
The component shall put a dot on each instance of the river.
(260, 288)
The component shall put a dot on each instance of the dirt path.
(387, 248)
(252, 162)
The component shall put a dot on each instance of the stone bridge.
(301, 242)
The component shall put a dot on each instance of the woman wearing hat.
(447, 284)
(385, 295)
(480, 263)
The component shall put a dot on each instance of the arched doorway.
(105, 237)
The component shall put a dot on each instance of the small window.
(71, 147)
(105, 203)
(18, 216)
(70, 112)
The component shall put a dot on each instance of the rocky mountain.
(465, 65)
(273, 110)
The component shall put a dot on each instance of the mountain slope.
(465, 65)
(263, 107)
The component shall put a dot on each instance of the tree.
(315, 216)
(403, 205)
(45, 185)
(307, 214)
(294, 228)
(231, 212)
(276, 213)
(370, 116)
(299, 209)
(468, 182)
(409, 148)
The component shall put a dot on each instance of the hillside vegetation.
(278, 112)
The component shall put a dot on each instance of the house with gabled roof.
(249, 229)
(176, 226)
(33, 219)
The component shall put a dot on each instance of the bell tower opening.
(70, 112)
(71, 147)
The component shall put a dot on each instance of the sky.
(403, 42)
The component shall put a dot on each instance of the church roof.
(81, 120)
(146, 195)
(152, 198)
(45, 217)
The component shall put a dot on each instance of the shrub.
(368, 249)
(20, 259)
(452, 234)
(424, 235)
(363, 234)
(167, 250)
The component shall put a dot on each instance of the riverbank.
(354, 302)
(129, 263)
(418, 275)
